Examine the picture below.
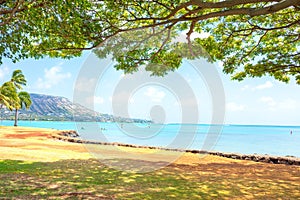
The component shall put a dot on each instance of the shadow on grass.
(90, 179)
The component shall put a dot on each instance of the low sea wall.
(72, 136)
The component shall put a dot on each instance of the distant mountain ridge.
(50, 108)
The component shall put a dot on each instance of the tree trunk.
(16, 118)
(1, 106)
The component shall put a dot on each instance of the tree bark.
(1, 106)
(16, 118)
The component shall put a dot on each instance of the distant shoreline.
(202, 124)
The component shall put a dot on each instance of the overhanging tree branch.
(64, 29)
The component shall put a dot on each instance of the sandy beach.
(38, 144)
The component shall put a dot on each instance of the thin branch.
(16, 10)
(274, 8)
(12, 12)
(249, 52)
(188, 37)
(228, 3)
(161, 4)
(275, 28)
(163, 44)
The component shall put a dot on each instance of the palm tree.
(8, 95)
(4, 100)
(24, 101)
(18, 79)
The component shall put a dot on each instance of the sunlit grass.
(91, 179)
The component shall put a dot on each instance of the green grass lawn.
(89, 179)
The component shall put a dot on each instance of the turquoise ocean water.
(245, 139)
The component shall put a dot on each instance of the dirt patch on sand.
(29, 134)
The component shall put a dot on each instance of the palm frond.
(24, 99)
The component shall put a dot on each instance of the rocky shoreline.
(72, 136)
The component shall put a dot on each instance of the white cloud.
(269, 101)
(122, 75)
(85, 85)
(52, 77)
(91, 101)
(196, 34)
(3, 72)
(232, 106)
(200, 35)
(245, 87)
(286, 104)
(176, 103)
(155, 94)
(266, 85)
(98, 100)
(182, 37)
(189, 80)
(131, 100)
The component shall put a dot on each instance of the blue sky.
(252, 101)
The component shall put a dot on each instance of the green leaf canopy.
(252, 38)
